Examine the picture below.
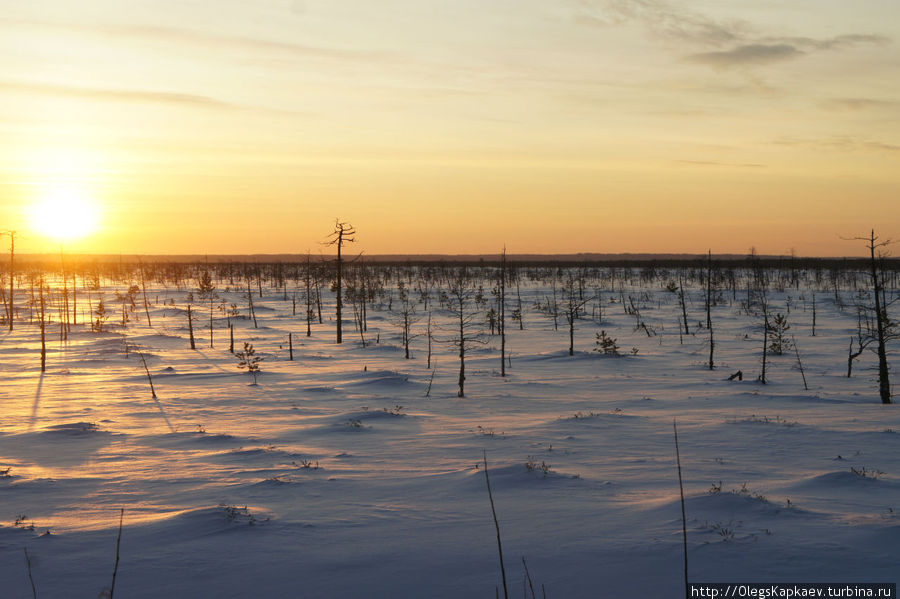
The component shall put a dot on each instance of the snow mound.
(520, 476)
(267, 453)
(359, 420)
(74, 429)
(738, 505)
(598, 416)
(209, 520)
(384, 347)
(159, 341)
(855, 478)
(273, 482)
(264, 456)
(380, 378)
(193, 438)
(365, 415)
(213, 439)
(562, 354)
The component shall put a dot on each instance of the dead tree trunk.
(884, 383)
(813, 314)
(687, 331)
(712, 343)
(501, 324)
(250, 302)
(146, 303)
(309, 312)
(43, 335)
(462, 352)
(74, 299)
(342, 234)
(191, 327)
(12, 276)
(762, 376)
(429, 341)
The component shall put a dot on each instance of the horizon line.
(435, 257)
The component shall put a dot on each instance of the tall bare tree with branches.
(12, 276)
(466, 328)
(709, 302)
(343, 233)
(309, 310)
(885, 329)
(406, 318)
(572, 308)
(501, 323)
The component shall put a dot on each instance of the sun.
(64, 214)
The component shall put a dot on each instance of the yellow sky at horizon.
(434, 127)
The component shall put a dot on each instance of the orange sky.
(451, 127)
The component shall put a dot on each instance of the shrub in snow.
(606, 345)
(778, 340)
(249, 360)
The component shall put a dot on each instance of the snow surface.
(335, 476)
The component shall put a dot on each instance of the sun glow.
(64, 213)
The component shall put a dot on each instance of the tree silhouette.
(43, 327)
(571, 308)
(208, 292)
(501, 323)
(406, 318)
(248, 360)
(885, 330)
(343, 233)
(466, 333)
(709, 291)
(12, 275)
(102, 314)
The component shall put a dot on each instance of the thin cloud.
(750, 54)
(663, 20)
(833, 43)
(730, 43)
(118, 95)
(859, 104)
(174, 35)
(843, 143)
(728, 164)
(778, 49)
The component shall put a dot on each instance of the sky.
(551, 126)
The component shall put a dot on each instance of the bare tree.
(814, 314)
(43, 327)
(309, 310)
(190, 326)
(428, 334)
(343, 233)
(74, 298)
(862, 342)
(501, 323)
(12, 276)
(885, 330)
(571, 308)
(354, 294)
(250, 302)
(709, 290)
(12, 273)
(406, 317)
(144, 289)
(766, 331)
(466, 334)
(207, 291)
(687, 331)
(64, 321)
